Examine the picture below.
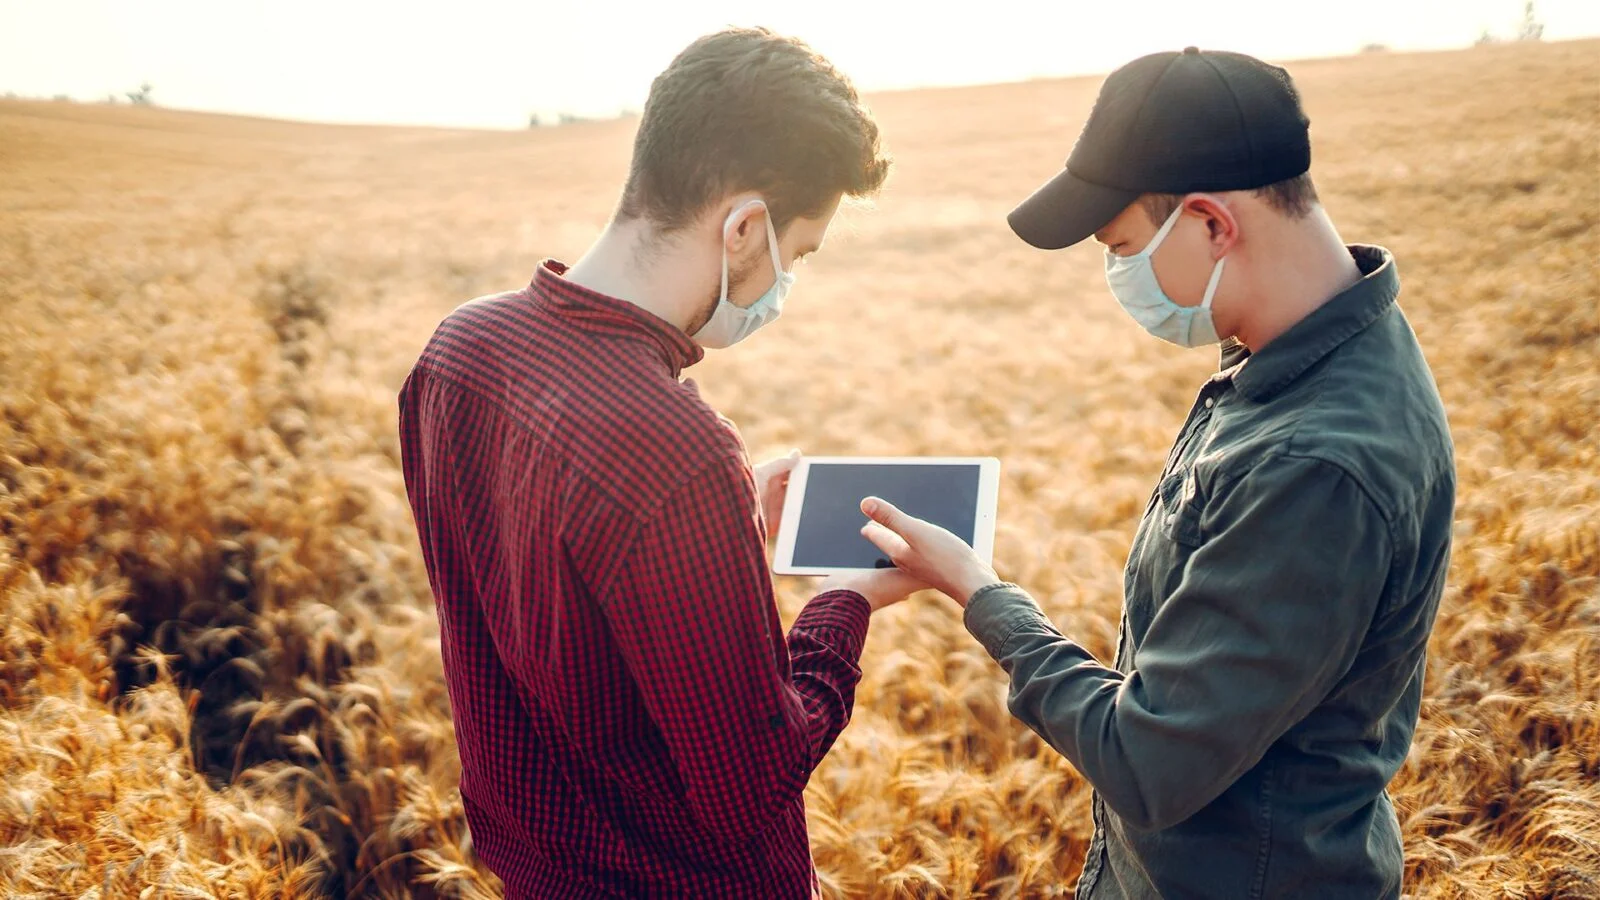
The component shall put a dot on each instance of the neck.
(1292, 273)
(660, 274)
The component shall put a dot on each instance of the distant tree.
(569, 118)
(59, 98)
(533, 120)
(1485, 38)
(111, 99)
(141, 97)
(1374, 48)
(1532, 29)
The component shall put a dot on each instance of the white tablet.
(821, 529)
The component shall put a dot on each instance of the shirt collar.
(596, 312)
(1288, 357)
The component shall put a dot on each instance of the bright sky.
(490, 64)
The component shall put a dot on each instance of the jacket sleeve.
(1269, 615)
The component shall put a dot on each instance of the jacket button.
(1210, 402)
(1172, 519)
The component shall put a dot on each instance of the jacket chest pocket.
(1180, 508)
(1168, 535)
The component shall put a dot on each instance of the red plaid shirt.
(630, 718)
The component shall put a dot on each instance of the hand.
(882, 587)
(772, 484)
(925, 551)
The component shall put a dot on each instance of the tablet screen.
(829, 531)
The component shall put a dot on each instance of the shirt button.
(1172, 519)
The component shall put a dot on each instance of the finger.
(884, 513)
(893, 545)
(904, 580)
(901, 584)
(783, 465)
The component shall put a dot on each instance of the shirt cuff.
(996, 612)
(843, 615)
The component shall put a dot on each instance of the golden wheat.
(219, 666)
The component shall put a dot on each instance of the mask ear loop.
(1211, 287)
(772, 238)
(722, 296)
(1161, 235)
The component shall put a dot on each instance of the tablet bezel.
(794, 502)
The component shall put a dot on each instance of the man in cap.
(1284, 578)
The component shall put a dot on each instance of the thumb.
(783, 465)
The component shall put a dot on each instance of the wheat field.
(219, 662)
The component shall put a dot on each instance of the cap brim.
(1066, 210)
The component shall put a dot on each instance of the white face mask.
(730, 324)
(1133, 282)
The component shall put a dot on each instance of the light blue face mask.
(1133, 282)
(730, 324)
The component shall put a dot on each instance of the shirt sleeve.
(1269, 615)
(425, 461)
(745, 715)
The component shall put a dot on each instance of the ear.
(1222, 227)
(741, 215)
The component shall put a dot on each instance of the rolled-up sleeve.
(1271, 611)
(745, 714)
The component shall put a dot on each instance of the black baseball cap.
(1171, 123)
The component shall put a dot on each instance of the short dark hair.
(746, 109)
(1293, 197)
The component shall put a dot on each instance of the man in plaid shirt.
(632, 721)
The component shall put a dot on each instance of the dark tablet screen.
(829, 533)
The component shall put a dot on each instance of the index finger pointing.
(882, 511)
